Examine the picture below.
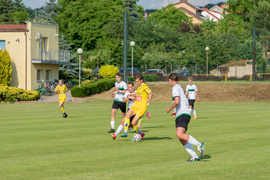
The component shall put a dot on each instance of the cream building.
(34, 52)
(191, 11)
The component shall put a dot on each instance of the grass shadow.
(206, 158)
(153, 127)
(156, 138)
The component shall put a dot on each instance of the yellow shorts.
(139, 109)
(62, 98)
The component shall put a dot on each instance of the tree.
(82, 21)
(12, 12)
(131, 6)
(49, 12)
(5, 67)
(260, 15)
(170, 16)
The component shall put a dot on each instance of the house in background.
(34, 52)
(212, 15)
(234, 69)
(191, 11)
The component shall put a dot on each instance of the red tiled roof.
(14, 26)
(209, 12)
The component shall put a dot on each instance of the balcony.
(50, 57)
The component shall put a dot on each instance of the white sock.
(190, 110)
(194, 112)
(119, 129)
(140, 132)
(193, 141)
(190, 150)
(112, 124)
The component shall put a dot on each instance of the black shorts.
(182, 121)
(120, 105)
(191, 102)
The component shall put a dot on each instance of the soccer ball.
(137, 137)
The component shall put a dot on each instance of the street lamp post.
(207, 49)
(132, 44)
(80, 51)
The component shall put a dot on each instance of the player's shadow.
(156, 138)
(154, 126)
(206, 158)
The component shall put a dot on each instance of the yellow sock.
(139, 122)
(62, 109)
(135, 129)
(126, 125)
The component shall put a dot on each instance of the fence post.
(250, 77)
(226, 77)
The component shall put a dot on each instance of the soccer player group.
(139, 100)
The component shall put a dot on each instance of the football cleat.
(133, 140)
(65, 115)
(193, 159)
(124, 135)
(201, 148)
(148, 115)
(195, 118)
(142, 135)
(111, 131)
(113, 136)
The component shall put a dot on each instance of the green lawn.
(37, 143)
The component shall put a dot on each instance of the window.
(44, 44)
(199, 13)
(47, 75)
(2, 44)
(38, 75)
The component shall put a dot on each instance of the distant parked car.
(135, 71)
(159, 72)
(183, 73)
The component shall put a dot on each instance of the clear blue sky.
(147, 4)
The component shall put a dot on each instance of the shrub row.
(93, 87)
(12, 94)
(146, 77)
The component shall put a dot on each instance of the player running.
(182, 114)
(130, 99)
(120, 90)
(192, 93)
(143, 98)
(61, 89)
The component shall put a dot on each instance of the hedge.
(93, 87)
(13, 94)
(146, 77)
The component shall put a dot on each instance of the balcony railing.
(53, 57)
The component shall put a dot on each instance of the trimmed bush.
(130, 79)
(108, 71)
(150, 77)
(13, 94)
(93, 87)
(5, 67)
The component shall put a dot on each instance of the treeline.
(165, 39)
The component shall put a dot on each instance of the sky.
(147, 4)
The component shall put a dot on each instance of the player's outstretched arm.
(197, 96)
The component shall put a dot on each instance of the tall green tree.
(5, 67)
(170, 16)
(49, 12)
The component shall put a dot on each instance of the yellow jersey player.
(61, 89)
(143, 97)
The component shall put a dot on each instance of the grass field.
(37, 143)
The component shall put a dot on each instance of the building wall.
(15, 45)
(184, 5)
(240, 71)
(22, 47)
(48, 31)
(53, 68)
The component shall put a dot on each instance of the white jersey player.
(192, 94)
(182, 114)
(118, 94)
